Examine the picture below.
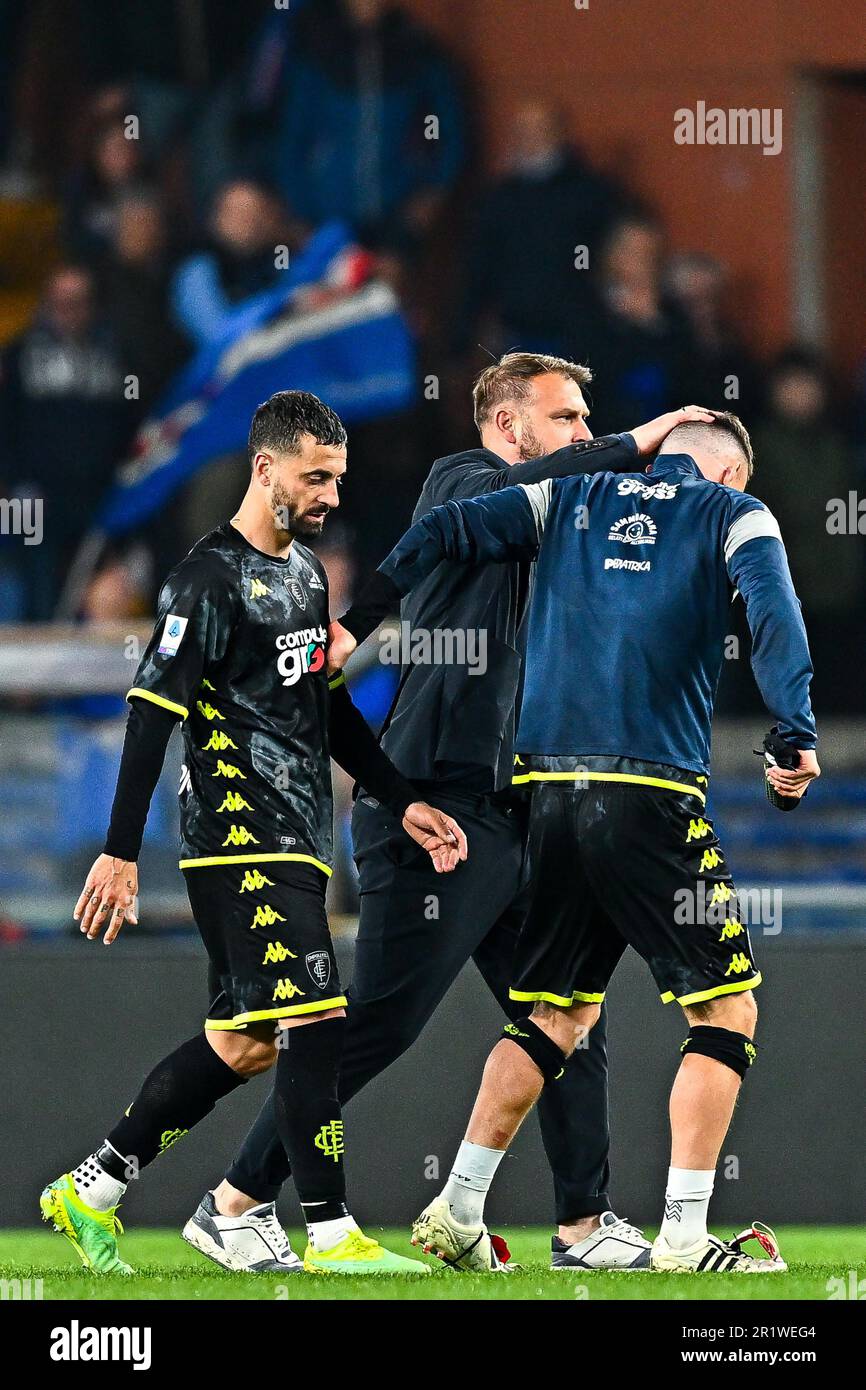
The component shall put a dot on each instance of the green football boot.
(92, 1233)
(359, 1254)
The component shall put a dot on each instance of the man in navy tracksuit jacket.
(625, 639)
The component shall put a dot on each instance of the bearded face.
(530, 446)
(294, 513)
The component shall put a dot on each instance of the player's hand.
(441, 836)
(648, 437)
(341, 644)
(108, 898)
(792, 782)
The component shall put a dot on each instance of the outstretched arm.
(470, 475)
(500, 526)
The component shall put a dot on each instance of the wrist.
(117, 849)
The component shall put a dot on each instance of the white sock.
(324, 1235)
(96, 1187)
(687, 1200)
(469, 1182)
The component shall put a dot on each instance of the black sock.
(180, 1091)
(262, 1166)
(308, 1115)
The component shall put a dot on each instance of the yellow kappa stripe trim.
(287, 1011)
(337, 681)
(734, 988)
(252, 859)
(609, 777)
(578, 997)
(157, 700)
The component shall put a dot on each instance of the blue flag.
(355, 353)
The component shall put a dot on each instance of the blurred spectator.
(177, 66)
(212, 288)
(697, 284)
(638, 347)
(802, 462)
(134, 279)
(530, 224)
(352, 133)
(63, 423)
(336, 555)
(112, 170)
(119, 588)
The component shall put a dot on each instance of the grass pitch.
(168, 1269)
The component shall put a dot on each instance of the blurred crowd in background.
(126, 248)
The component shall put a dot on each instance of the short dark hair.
(280, 421)
(698, 431)
(510, 379)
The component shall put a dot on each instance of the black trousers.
(417, 930)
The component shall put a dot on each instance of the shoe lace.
(360, 1246)
(627, 1231)
(274, 1233)
(764, 1235)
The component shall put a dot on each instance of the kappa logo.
(710, 859)
(637, 529)
(258, 589)
(698, 829)
(253, 880)
(286, 990)
(740, 963)
(627, 487)
(234, 802)
(218, 743)
(239, 835)
(318, 967)
(228, 770)
(277, 953)
(731, 929)
(266, 916)
(208, 710)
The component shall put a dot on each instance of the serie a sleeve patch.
(172, 634)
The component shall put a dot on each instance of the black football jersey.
(238, 652)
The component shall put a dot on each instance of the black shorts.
(266, 933)
(627, 863)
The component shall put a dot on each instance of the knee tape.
(733, 1050)
(542, 1050)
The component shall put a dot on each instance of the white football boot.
(470, 1248)
(714, 1256)
(614, 1245)
(254, 1243)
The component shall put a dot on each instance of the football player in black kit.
(238, 655)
